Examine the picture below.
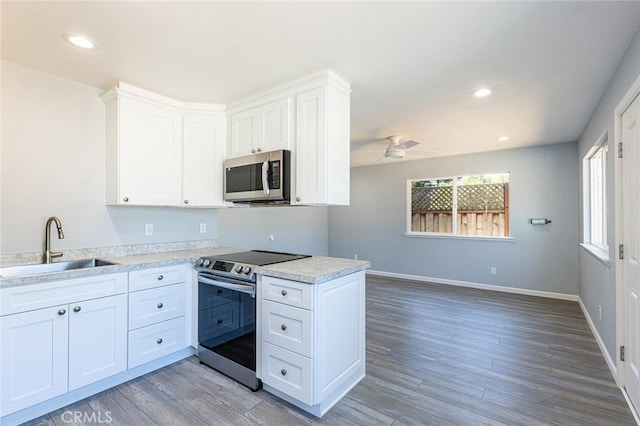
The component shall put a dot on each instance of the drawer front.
(289, 292)
(288, 327)
(30, 297)
(217, 321)
(288, 372)
(157, 304)
(156, 277)
(157, 340)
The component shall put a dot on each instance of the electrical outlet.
(600, 312)
(203, 228)
(148, 229)
(493, 270)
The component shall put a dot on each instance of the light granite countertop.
(312, 270)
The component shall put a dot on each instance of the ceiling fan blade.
(408, 144)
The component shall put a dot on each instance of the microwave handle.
(265, 176)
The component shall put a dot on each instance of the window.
(479, 204)
(595, 195)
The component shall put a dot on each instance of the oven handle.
(218, 282)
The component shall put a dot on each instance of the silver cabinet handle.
(160, 305)
(259, 149)
(186, 201)
(283, 292)
(283, 372)
(159, 341)
(125, 199)
(62, 311)
(298, 199)
(77, 309)
(253, 151)
(283, 327)
(160, 277)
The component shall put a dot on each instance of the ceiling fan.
(392, 149)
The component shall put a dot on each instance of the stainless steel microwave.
(259, 178)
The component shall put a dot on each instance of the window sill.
(598, 253)
(457, 237)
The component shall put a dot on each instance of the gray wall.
(597, 281)
(543, 183)
(294, 229)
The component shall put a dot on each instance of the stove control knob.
(199, 262)
(238, 268)
(246, 270)
(206, 263)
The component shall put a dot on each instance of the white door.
(631, 241)
(97, 339)
(33, 357)
(204, 147)
(274, 121)
(243, 133)
(151, 154)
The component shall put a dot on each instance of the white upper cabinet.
(311, 117)
(322, 146)
(262, 128)
(161, 152)
(204, 149)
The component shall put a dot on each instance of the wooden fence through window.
(482, 209)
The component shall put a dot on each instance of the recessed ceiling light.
(503, 138)
(481, 93)
(78, 40)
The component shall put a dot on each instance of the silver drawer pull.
(77, 309)
(160, 277)
(283, 292)
(283, 372)
(220, 321)
(125, 199)
(283, 327)
(160, 305)
(62, 311)
(159, 341)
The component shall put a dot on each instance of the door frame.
(621, 328)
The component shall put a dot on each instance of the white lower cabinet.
(157, 313)
(312, 339)
(72, 341)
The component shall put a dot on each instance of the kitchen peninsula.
(71, 334)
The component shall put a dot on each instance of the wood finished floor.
(436, 355)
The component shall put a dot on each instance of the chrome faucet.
(48, 254)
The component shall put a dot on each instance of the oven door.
(226, 327)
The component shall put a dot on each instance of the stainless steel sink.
(45, 268)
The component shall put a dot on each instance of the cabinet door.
(34, 352)
(204, 150)
(244, 128)
(97, 339)
(274, 122)
(311, 153)
(150, 142)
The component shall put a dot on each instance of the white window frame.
(454, 223)
(595, 199)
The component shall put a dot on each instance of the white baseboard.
(605, 353)
(490, 287)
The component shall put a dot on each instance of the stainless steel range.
(226, 311)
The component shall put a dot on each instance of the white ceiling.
(412, 65)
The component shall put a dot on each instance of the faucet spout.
(48, 254)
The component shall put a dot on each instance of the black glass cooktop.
(260, 257)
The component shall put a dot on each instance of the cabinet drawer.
(157, 340)
(157, 304)
(156, 277)
(288, 372)
(288, 327)
(289, 292)
(30, 297)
